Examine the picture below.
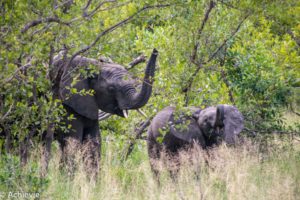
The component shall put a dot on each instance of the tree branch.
(200, 30)
(112, 28)
(136, 61)
(87, 5)
(213, 55)
(225, 79)
(138, 133)
(193, 57)
(40, 21)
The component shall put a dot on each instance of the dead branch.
(138, 133)
(136, 61)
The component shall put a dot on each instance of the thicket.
(243, 52)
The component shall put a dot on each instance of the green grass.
(238, 173)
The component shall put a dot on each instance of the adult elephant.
(172, 130)
(110, 88)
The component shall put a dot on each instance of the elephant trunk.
(220, 116)
(142, 97)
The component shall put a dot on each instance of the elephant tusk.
(142, 113)
(125, 113)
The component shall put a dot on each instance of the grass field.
(251, 171)
(261, 169)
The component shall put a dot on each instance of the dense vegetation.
(243, 52)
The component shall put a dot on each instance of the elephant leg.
(154, 152)
(173, 164)
(47, 139)
(92, 149)
(71, 145)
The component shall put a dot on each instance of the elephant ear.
(196, 114)
(84, 105)
(233, 123)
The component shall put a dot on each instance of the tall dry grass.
(244, 172)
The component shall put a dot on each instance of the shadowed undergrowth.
(244, 172)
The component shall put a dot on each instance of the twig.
(227, 4)
(213, 55)
(40, 21)
(16, 72)
(97, 8)
(87, 6)
(7, 113)
(113, 7)
(188, 87)
(86, 15)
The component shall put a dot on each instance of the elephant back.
(184, 127)
(176, 127)
(160, 122)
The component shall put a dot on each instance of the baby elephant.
(172, 130)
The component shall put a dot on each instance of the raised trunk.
(220, 116)
(141, 98)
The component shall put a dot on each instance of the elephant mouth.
(120, 112)
(219, 131)
(125, 112)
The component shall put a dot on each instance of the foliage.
(261, 72)
(243, 52)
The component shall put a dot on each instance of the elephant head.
(224, 121)
(114, 88)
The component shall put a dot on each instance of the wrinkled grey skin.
(182, 130)
(114, 92)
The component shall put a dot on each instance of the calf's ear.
(233, 124)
